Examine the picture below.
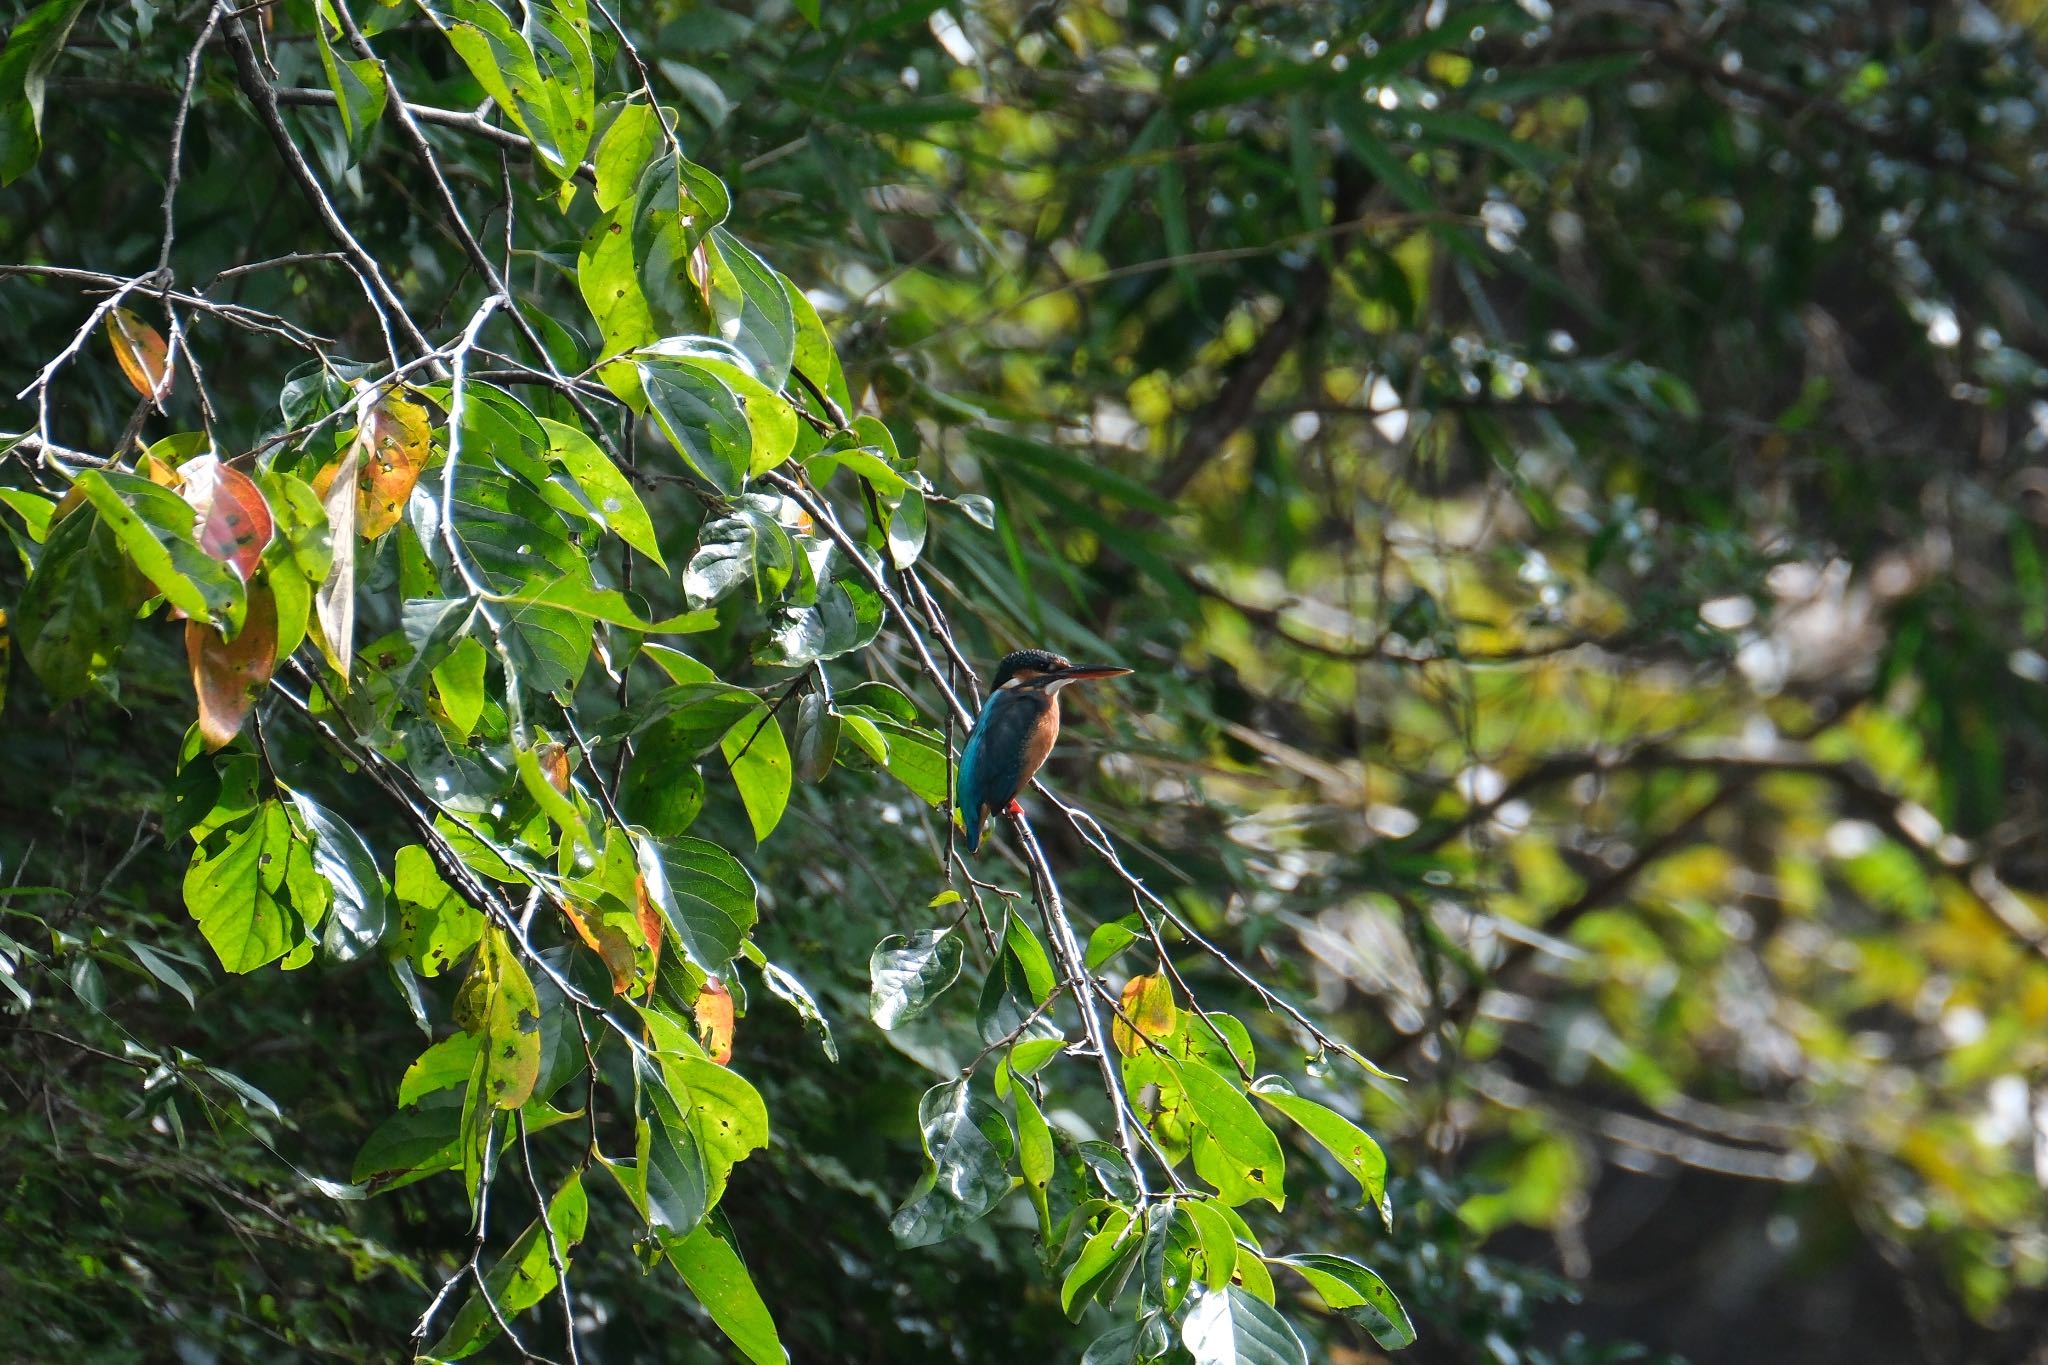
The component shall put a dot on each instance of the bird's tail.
(970, 821)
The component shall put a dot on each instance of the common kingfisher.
(1015, 732)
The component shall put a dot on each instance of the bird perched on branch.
(1015, 732)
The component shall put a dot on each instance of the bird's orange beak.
(1088, 672)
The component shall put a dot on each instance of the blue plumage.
(992, 762)
(1014, 732)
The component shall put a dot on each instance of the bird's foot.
(1014, 808)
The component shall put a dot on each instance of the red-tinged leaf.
(715, 1020)
(1148, 1004)
(235, 525)
(228, 675)
(144, 355)
(334, 606)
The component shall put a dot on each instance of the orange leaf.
(230, 675)
(611, 943)
(715, 1021)
(235, 525)
(554, 764)
(650, 927)
(143, 353)
(396, 438)
(1148, 1004)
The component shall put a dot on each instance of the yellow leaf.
(715, 1020)
(142, 352)
(334, 606)
(1148, 1004)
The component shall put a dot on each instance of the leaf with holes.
(239, 896)
(713, 1016)
(1240, 1156)
(234, 521)
(497, 1004)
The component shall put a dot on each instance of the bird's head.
(1043, 670)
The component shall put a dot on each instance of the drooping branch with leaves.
(435, 585)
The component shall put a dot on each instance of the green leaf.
(911, 754)
(711, 1266)
(622, 156)
(33, 46)
(702, 418)
(759, 759)
(78, 608)
(1358, 1294)
(725, 1111)
(155, 527)
(342, 858)
(670, 1181)
(817, 737)
(1354, 1150)
(752, 310)
(815, 356)
(611, 494)
(846, 615)
(1034, 1141)
(575, 595)
(906, 975)
(1092, 1268)
(967, 1145)
(435, 925)
(1231, 1327)
(1241, 1147)
(443, 1066)
(238, 895)
(555, 107)
(707, 897)
(523, 1276)
(786, 987)
(1029, 1057)
(359, 93)
(747, 545)
(459, 682)
(678, 204)
(1110, 938)
(907, 529)
(158, 966)
(1216, 1239)
(497, 1003)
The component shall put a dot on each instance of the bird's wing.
(992, 763)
